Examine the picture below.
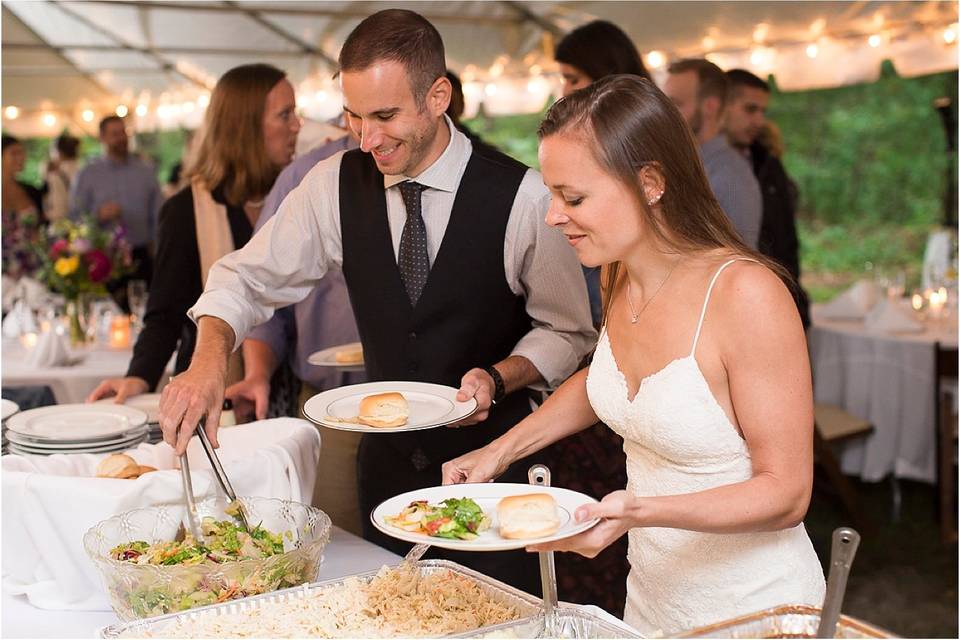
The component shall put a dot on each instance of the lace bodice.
(678, 440)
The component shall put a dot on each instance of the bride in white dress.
(701, 366)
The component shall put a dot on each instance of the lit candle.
(29, 340)
(917, 302)
(120, 332)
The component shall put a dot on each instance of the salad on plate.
(454, 518)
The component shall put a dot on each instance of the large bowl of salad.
(151, 564)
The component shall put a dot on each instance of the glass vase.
(78, 314)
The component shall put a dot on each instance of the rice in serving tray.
(397, 602)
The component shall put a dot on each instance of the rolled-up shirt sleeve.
(283, 261)
(541, 266)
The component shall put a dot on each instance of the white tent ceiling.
(67, 62)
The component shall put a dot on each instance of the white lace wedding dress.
(678, 440)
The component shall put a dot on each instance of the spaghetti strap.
(706, 300)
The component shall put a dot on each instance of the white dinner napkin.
(18, 321)
(891, 317)
(852, 304)
(50, 351)
(49, 502)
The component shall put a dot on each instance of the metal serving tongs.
(193, 516)
(539, 475)
(845, 543)
(222, 476)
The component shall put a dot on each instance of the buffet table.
(889, 379)
(70, 383)
(345, 554)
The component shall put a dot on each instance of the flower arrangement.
(81, 257)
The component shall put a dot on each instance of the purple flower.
(98, 265)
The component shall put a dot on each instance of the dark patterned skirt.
(593, 463)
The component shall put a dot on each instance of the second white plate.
(487, 495)
(75, 422)
(430, 405)
(8, 408)
(149, 403)
(328, 357)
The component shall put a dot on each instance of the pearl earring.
(655, 199)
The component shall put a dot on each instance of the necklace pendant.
(633, 319)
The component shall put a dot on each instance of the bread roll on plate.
(349, 356)
(383, 410)
(118, 465)
(533, 515)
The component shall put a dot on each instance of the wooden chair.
(833, 424)
(946, 444)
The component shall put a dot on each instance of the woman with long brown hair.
(249, 135)
(701, 366)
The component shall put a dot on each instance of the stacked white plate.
(76, 428)
(7, 409)
(149, 403)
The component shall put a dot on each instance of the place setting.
(76, 428)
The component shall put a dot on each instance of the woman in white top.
(701, 366)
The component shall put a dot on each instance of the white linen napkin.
(49, 502)
(891, 317)
(852, 304)
(18, 321)
(50, 351)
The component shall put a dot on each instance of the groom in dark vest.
(453, 275)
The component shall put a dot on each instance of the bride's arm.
(565, 412)
(764, 351)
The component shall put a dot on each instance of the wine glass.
(137, 300)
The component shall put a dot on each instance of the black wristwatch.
(499, 391)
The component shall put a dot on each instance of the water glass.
(137, 300)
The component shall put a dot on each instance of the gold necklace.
(635, 315)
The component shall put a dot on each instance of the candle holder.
(119, 336)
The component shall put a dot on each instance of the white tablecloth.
(346, 554)
(888, 379)
(69, 383)
(49, 502)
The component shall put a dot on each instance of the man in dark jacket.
(746, 122)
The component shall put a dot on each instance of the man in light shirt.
(453, 275)
(699, 88)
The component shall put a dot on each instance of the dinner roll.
(532, 515)
(118, 465)
(349, 356)
(384, 410)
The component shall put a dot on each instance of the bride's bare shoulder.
(749, 294)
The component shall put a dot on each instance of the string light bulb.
(11, 112)
(656, 59)
(122, 110)
(812, 50)
(49, 120)
(875, 40)
(141, 110)
(87, 115)
(760, 32)
(950, 34)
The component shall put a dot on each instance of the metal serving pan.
(571, 622)
(526, 605)
(787, 621)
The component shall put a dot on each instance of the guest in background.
(746, 122)
(596, 50)
(249, 136)
(120, 188)
(22, 211)
(592, 461)
(61, 172)
(700, 90)
(455, 111)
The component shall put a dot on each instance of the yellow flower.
(65, 266)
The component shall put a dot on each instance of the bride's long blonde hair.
(630, 124)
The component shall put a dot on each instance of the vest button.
(412, 335)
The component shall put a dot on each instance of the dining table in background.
(69, 383)
(891, 380)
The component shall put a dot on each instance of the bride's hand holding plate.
(617, 516)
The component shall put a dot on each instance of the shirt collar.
(444, 173)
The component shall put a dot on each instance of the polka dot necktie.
(413, 260)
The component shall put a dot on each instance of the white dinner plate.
(16, 448)
(149, 403)
(135, 435)
(73, 422)
(430, 405)
(328, 357)
(487, 495)
(8, 408)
